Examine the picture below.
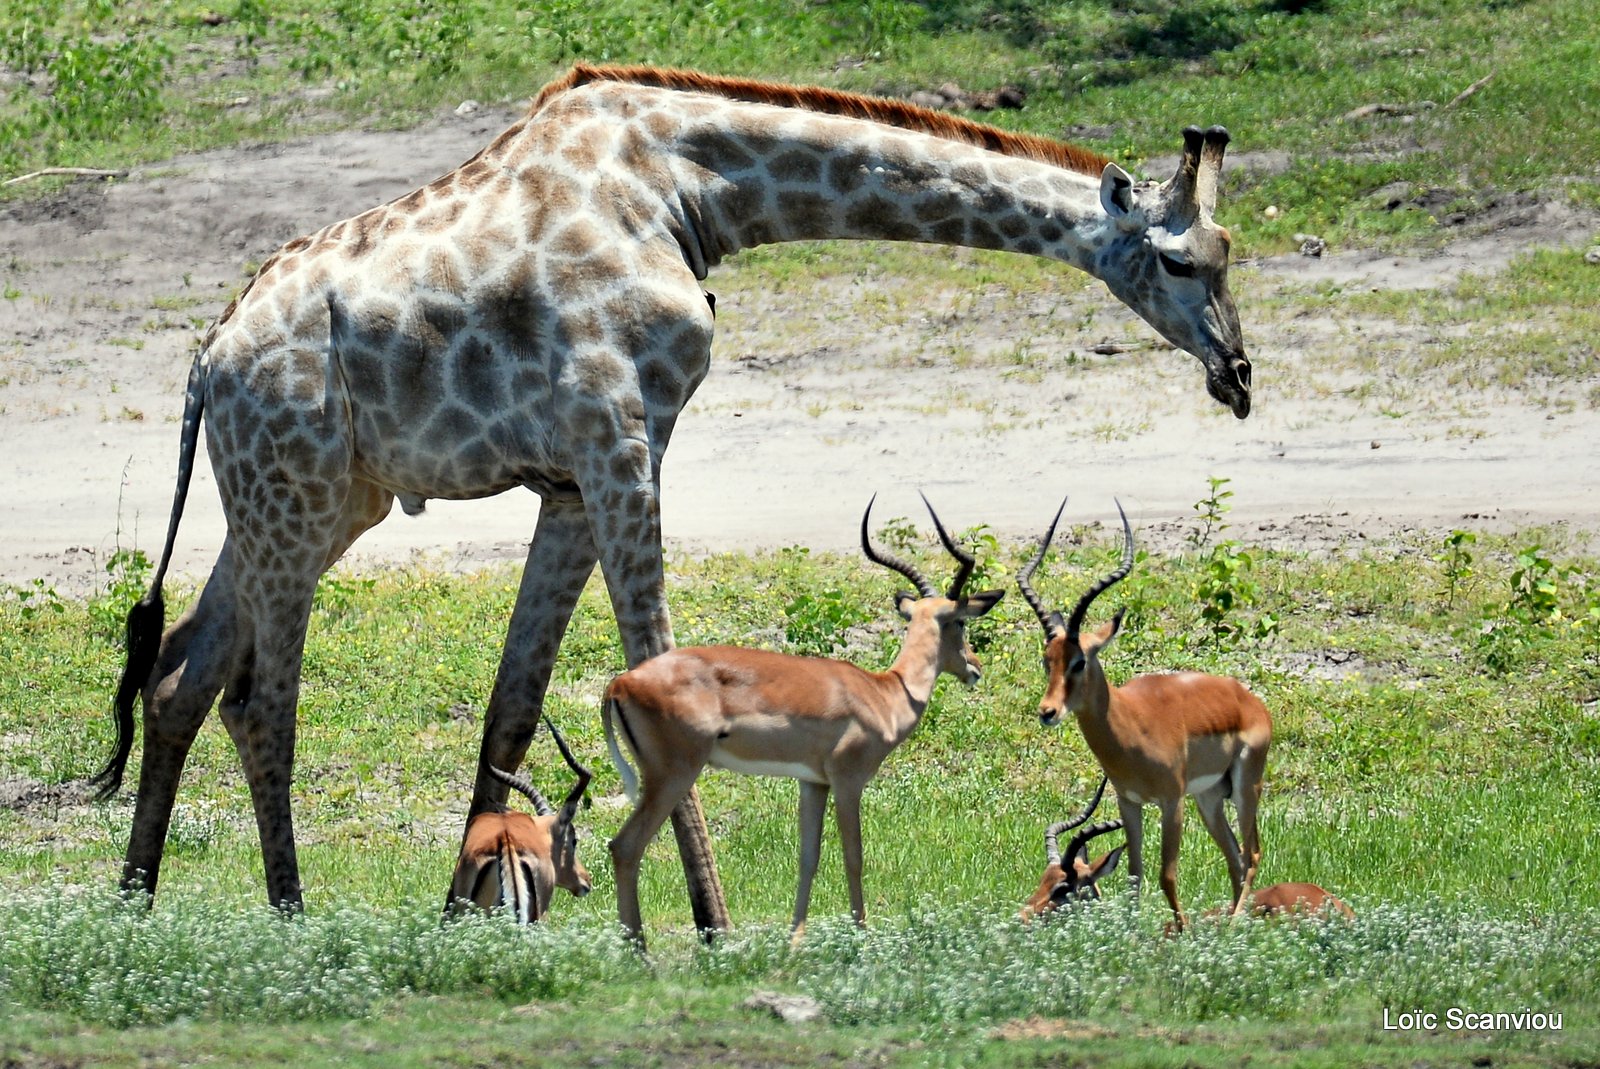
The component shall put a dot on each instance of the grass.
(110, 84)
(1428, 720)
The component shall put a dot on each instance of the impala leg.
(813, 804)
(1215, 818)
(1132, 814)
(656, 803)
(1171, 839)
(198, 656)
(625, 521)
(847, 814)
(1252, 768)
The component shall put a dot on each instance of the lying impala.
(1289, 899)
(1286, 900)
(823, 722)
(514, 860)
(1076, 878)
(1158, 737)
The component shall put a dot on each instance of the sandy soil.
(815, 400)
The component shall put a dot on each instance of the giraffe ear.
(1116, 193)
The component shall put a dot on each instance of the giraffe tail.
(148, 615)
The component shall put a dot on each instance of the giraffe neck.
(733, 174)
(849, 179)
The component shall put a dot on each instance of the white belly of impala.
(721, 758)
(1200, 784)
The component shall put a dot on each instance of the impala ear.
(1102, 637)
(1106, 865)
(903, 602)
(1116, 193)
(974, 605)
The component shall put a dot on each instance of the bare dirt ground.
(994, 404)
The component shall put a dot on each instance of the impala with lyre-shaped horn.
(1072, 876)
(1157, 737)
(824, 722)
(515, 861)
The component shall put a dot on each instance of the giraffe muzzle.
(1231, 386)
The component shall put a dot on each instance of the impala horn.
(1052, 853)
(1080, 841)
(963, 558)
(569, 808)
(893, 563)
(521, 783)
(1050, 621)
(1075, 621)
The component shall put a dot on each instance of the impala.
(1157, 737)
(1076, 877)
(513, 860)
(826, 723)
(1292, 899)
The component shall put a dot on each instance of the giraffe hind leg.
(198, 656)
(259, 710)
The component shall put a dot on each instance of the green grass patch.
(1434, 705)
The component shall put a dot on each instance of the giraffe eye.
(1175, 267)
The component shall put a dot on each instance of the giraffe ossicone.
(535, 319)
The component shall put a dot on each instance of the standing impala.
(823, 722)
(511, 859)
(1073, 877)
(1158, 737)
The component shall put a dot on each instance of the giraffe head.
(1168, 261)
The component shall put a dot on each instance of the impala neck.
(1092, 703)
(917, 667)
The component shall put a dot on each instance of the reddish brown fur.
(825, 723)
(1288, 900)
(1298, 898)
(1158, 737)
(525, 839)
(1156, 733)
(1085, 874)
(837, 102)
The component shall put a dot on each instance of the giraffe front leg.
(559, 563)
(622, 498)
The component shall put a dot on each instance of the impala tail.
(611, 710)
(148, 616)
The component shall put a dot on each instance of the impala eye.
(1175, 267)
(1076, 666)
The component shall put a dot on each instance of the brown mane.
(836, 102)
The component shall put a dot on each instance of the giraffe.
(535, 319)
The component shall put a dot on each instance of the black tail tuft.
(145, 622)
